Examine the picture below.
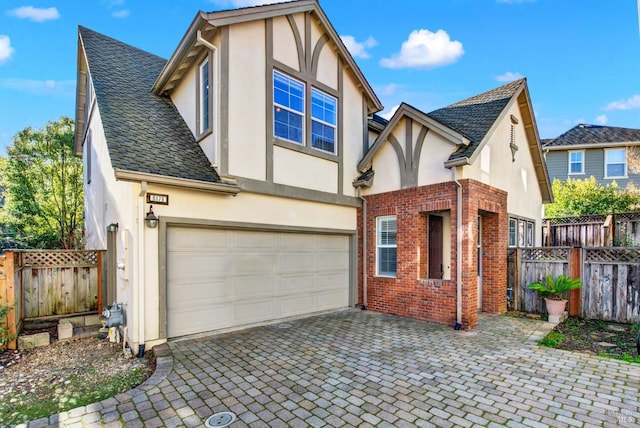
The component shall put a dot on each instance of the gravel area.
(65, 368)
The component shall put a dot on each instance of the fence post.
(575, 271)
(8, 297)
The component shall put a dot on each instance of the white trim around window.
(576, 162)
(386, 246)
(615, 163)
(206, 95)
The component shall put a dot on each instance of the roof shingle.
(584, 134)
(474, 116)
(145, 133)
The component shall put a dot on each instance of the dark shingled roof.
(583, 134)
(145, 132)
(473, 117)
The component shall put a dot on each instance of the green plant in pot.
(553, 291)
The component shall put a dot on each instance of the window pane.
(322, 137)
(387, 261)
(288, 92)
(615, 170)
(205, 113)
(323, 107)
(530, 234)
(287, 125)
(615, 156)
(512, 232)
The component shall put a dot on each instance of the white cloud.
(35, 14)
(387, 114)
(386, 90)
(121, 13)
(40, 87)
(5, 48)
(356, 48)
(509, 77)
(602, 119)
(424, 49)
(628, 104)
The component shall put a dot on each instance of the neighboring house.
(246, 143)
(445, 193)
(592, 150)
(257, 145)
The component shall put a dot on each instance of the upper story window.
(323, 121)
(288, 108)
(615, 163)
(576, 162)
(205, 97)
(386, 246)
(295, 107)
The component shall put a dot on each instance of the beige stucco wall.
(283, 38)
(496, 167)
(247, 101)
(302, 170)
(109, 201)
(435, 151)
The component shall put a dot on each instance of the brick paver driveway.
(358, 368)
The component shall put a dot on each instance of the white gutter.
(364, 249)
(458, 249)
(222, 187)
(141, 264)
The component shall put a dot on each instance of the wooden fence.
(49, 283)
(598, 230)
(610, 278)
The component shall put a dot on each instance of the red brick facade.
(411, 293)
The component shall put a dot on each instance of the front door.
(435, 247)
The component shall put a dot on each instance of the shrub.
(5, 337)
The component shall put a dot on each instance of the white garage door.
(220, 279)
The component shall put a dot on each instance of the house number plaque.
(157, 198)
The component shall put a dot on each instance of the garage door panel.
(255, 311)
(332, 261)
(197, 266)
(294, 306)
(297, 284)
(221, 279)
(253, 241)
(190, 238)
(295, 262)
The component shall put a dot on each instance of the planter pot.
(555, 307)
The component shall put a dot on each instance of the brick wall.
(411, 293)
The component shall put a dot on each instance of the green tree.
(43, 184)
(579, 197)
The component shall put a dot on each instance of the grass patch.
(61, 398)
(604, 338)
(553, 339)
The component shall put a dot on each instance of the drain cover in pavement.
(221, 419)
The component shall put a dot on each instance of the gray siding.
(558, 167)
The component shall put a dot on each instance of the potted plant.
(553, 291)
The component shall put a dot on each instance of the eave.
(219, 188)
(604, 145)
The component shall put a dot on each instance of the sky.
(581, 58)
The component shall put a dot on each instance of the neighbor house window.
(576, 162)
(513, 232)
(204, 114)
(323, 121)
(386, 246)
(288, 108)
(615, 164)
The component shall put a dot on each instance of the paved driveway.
(357, 368)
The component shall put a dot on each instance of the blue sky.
(581, 58)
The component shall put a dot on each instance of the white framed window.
(576, 162)
(89, 148)
(521, 233)
(205, 96)
(323, 121)
(615, 163)
(530, 234)
(386, 246)
(513, 232)
(288, 108)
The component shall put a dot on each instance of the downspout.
(364, 248)
(141, 265)
(458, 249)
